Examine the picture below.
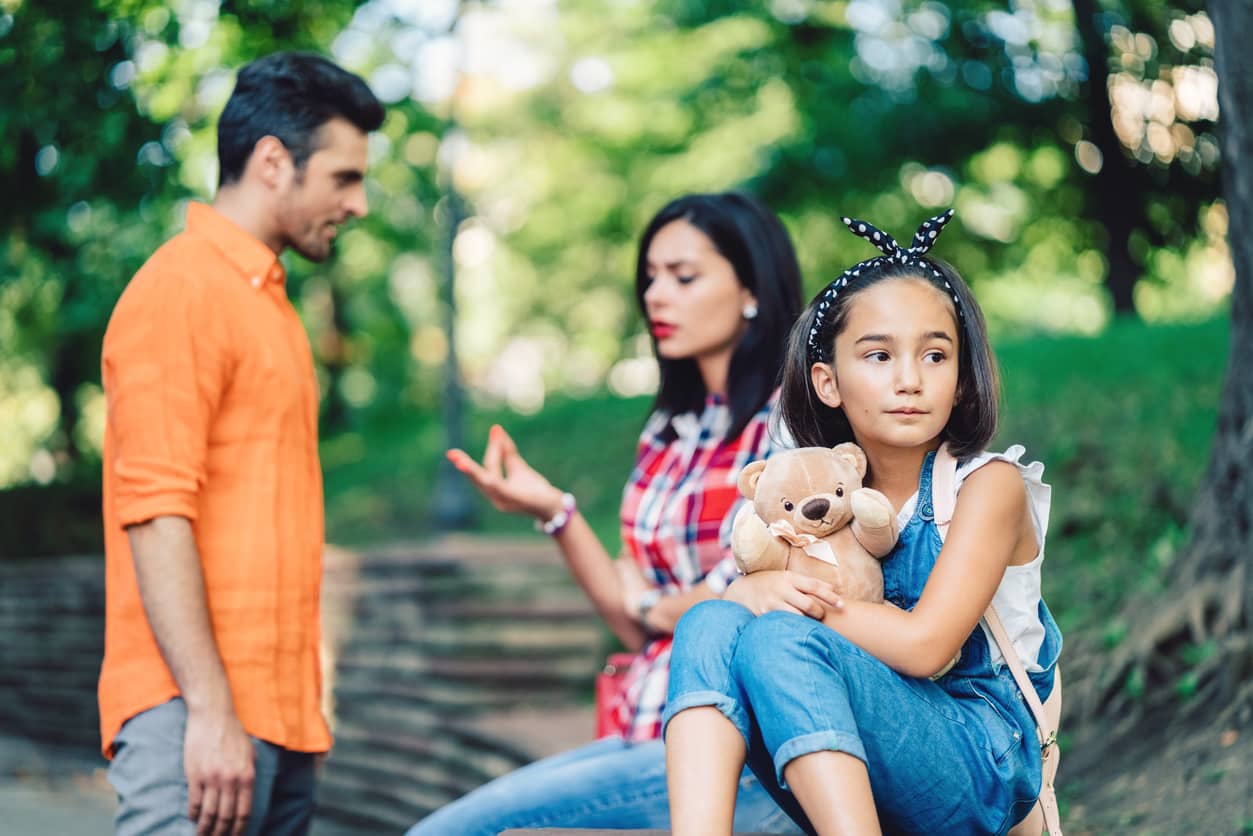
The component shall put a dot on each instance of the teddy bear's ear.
(748, 478)
(853, 454)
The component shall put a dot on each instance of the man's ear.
(271, 162)
(749, 476)
(822, 378)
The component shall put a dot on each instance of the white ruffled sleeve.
(1017, 599)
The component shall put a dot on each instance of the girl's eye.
(878, 356)
(787, 506)
(934, 357)
(686, 279)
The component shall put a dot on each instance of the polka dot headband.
(924, 238)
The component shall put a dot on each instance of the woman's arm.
(663, 617)
(991, 529)
(512, 485)
(594, 571)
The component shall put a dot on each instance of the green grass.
(1122, 421)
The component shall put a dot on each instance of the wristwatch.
(644, 605)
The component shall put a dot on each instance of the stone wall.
(51, 643)
(448, 664)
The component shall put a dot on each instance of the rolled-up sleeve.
(163, 367)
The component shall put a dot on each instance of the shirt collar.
(257, 263)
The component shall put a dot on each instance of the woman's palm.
(506, 479)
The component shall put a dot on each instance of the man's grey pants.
(147, 773)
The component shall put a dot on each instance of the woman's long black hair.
(755, 242)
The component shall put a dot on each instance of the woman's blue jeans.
(608, 784)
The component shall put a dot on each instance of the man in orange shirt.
(210, 690)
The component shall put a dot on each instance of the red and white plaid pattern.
(676, 525)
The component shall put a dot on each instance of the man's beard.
(316, 256)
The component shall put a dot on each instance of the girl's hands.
(762, 592)
(506, 479)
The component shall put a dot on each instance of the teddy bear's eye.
(839, 491)
(787, 506)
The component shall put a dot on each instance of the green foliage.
(75, 173)
(1122, 422)
(380, 481)
(569, 125)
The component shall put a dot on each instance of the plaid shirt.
(676, 525)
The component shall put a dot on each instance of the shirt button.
(256, 281)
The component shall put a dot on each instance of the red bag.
(609, 684)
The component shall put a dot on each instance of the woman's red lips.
(661, 330)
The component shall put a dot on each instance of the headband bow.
(924, 239)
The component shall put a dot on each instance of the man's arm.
(217, 752)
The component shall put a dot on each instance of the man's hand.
(762, 592)
(217, 752)
(218, 761)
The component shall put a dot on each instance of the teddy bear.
(808, 512)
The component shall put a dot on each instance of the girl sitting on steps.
(832, 701)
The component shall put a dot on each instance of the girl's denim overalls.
(957, 755)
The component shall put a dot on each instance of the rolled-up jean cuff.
(823, 741)
(729, 707)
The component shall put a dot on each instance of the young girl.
(835, 703)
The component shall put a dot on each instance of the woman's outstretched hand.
(763, 592)
(506, 479)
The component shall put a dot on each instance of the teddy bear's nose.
(815, 509)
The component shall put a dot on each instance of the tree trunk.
(1221, 552)
(1201, 633)
(65, 377)
(1118, 194)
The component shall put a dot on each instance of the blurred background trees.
(1076, 140)
(528, 141)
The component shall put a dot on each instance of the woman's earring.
(750, 310)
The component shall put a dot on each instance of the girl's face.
(694, 301)
(895, 365)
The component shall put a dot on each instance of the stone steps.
(449, 674)
(51, 644)
(451, 663)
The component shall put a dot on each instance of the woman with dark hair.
(718, 283)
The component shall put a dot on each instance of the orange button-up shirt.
(212, 416)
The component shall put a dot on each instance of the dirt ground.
(1182, 782)
(47, 789)
(1198, 783)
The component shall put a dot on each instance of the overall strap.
(944, 500)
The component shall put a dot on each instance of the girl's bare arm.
(991, 529)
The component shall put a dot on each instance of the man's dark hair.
(289, 96)
(755, 242)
